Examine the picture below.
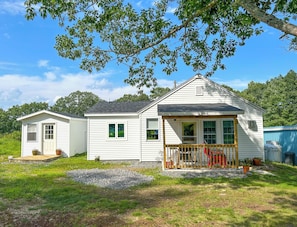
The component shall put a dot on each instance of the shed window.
(209, 132)
(116, 131)
(228, 132)
(31, 132)
(152, 129)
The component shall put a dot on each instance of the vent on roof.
(199, 90)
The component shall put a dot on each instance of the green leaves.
(278, 97)
(76, 103)
(201, 33)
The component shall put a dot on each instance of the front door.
(49, 139)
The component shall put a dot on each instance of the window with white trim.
(116, 131)
(209, 132)
(189, 132)
(152, 129)
(31, 132)
(228, 132)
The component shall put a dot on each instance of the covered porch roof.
(206, 109)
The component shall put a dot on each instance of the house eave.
(200, 114)
(43, 112)
(111, 115)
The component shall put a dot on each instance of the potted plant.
(58, 151)
(246, 164)
(34, 152)
(169, 164)
(257, 161)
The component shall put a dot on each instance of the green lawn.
(43, 195)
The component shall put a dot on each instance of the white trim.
(211, 113)
(222, 129)
(216, 128)
(111, 114)
(116, 138)
(47, 112)
(146, 128)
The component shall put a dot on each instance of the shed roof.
(117, 107)
(280, 128)
(198, 109)
(62, 115)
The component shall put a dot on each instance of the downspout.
(164, 143)
(140, 139)
(88, 139)
(236, 141)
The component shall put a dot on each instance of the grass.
(43, 195)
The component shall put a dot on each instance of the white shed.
(47, 131)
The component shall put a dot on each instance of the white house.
(47, 131)
(197, 124)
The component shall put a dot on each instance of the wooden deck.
(35, 158)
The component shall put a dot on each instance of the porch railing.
(180, 156)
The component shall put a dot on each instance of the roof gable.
(61, 115)
(212, 83)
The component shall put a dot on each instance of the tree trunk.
(266, 18)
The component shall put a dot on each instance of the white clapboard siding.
(113, 149)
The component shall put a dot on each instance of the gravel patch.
(111, 178)
(123, 178)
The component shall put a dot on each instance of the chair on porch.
(215, 158)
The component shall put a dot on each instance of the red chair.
(215, 157)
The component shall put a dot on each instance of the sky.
(32, 71)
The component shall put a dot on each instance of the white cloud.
(237, 84)
(50, 76)
(43, 63)
(17, 89)
(139, 4)
(7, 65)
(171, 9)
(12, 7)
(6, 36)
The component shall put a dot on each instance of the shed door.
(49, 139)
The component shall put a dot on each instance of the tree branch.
(250, 6)
(178, 28)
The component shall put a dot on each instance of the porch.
(196, 156)
(207, 135)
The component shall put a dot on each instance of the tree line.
(76, 103)
(278, 97)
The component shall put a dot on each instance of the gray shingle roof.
(117, 107)
(196, 109)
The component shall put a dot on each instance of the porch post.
(236, 141)
(164, 142)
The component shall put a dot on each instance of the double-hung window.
(31, 132)
(152, 129)
(228, 132)
(116, 131)
(209, 132)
